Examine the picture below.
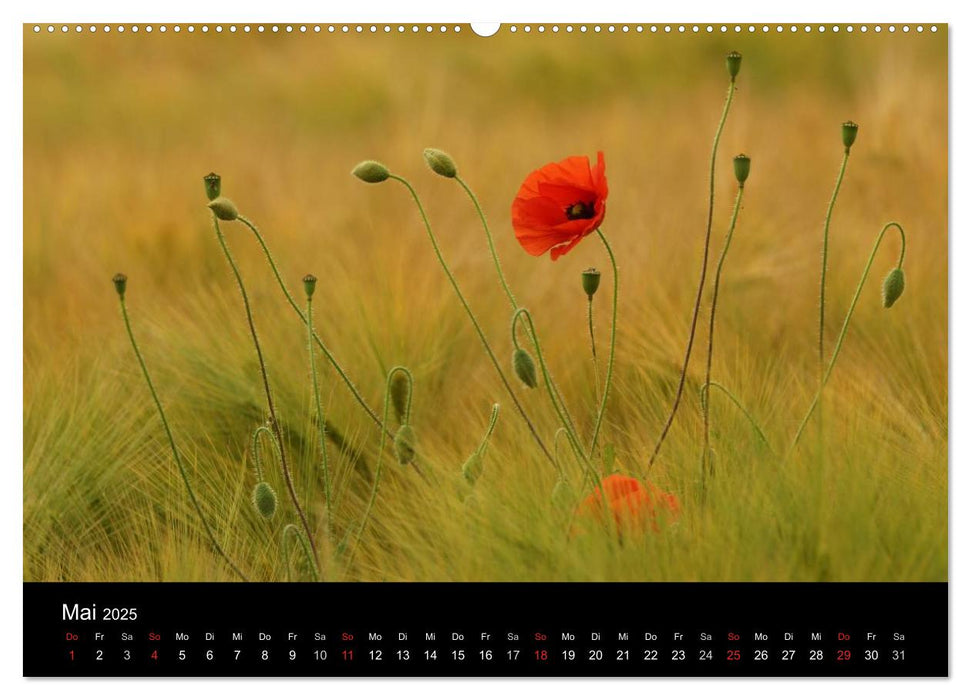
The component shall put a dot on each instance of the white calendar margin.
(814, 11)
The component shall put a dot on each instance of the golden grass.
(120, 129)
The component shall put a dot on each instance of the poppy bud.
(733, 61)
(400, 393)
(591, 281)
(309, 285)
(224, 209)
(213, 185)
(742, 165)
(472, 469)
(441, 162)
(404, 444)
(371, 171)
(893, 287)
(121, 281)
(264, 499)
(562, 496)
(525, 368)
(849, 133)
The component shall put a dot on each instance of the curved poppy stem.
(821, 336)
(505, 285)
(257, 454)
(613, 345)
(320, 343)
(701, 280)
(556, 452)
(302, 539)
(321, 421)
(492, 244)
(564, 417)
(711, 317)
(410, 378)
(593, 349)
(175, 452)
(377, 467)
(704, 394)
(846, 325)
(471, 315)
(274, 422)
(491, 427)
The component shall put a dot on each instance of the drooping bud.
(849, 134)
(121, 282)
(473, 467)
(742, 165)
(404, 444)
(309, 285)
(563, 497)
(522, 363)
(441, 162)
(893, 287)
(733, 61)
(371, 171)
(591, 281)
(264, 498)
(224, 209)
(400, 391)
(213, 185)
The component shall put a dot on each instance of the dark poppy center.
(580, 210)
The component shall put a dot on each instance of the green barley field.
(119, 130)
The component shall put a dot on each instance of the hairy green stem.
(613, 346)
(377, 468)
(821, 335)
(701, 281)
(175, 451)
(274, 422)
(593, 349)
(505, 285)
(822, 274)
(509, 294)
(492, 426)
(257, 453)
(711, 316)
(471, 315)
(492, 244)
(320, 343)
(846, 325)
(561, 412)
(290, 527)
(704, 392)
(321, 424)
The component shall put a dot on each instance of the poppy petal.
(539, 211)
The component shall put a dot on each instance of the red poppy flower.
(559, 204)
(634, 505)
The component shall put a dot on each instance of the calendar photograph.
(391, 304)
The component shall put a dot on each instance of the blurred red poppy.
(634, 505)
(559, 204)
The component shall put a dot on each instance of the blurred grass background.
(119, 130)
